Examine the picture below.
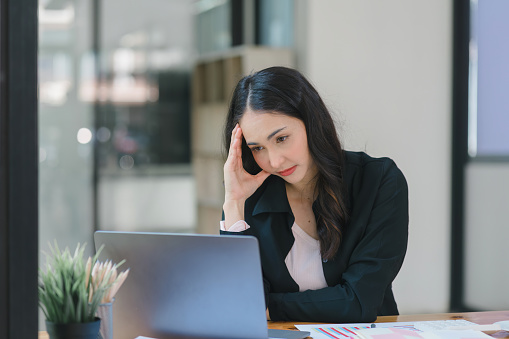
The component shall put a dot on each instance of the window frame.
(18, 169)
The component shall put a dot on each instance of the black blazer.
(370, 256)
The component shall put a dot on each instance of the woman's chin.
(291, 179)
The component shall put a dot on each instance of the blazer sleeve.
(373, 264)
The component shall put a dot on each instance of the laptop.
(192, 285)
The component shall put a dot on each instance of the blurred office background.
(116, 108)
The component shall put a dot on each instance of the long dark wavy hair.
(286, 91)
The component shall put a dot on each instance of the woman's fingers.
(232, 138)
(231, 151)
(239, 141)
(239, 184)
(236, 143)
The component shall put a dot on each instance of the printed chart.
(398, 330)
(344, 331)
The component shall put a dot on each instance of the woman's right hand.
(238, 183)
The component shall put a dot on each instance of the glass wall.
(65, 123)
(144, 179)
(487, 168)
(132, 103)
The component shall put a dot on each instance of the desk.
(482, 318)
(476, 317)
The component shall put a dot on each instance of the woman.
(332, 225)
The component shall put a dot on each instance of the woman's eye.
(281, 139)
(256, 149)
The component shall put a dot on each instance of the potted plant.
(68, 296)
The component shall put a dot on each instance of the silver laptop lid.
(194, 285)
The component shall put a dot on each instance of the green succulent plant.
(66, 294)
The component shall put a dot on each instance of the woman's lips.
(287, 172)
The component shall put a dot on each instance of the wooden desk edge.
(482, 318)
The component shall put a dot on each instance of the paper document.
(384, 330)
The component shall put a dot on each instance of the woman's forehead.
(260, 124)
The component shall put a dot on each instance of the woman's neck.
(302, 191)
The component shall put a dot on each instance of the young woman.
(332, 225)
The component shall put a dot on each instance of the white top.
(304, 261)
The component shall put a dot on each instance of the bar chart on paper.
(338, 332)
(344, 331)
(400, 330)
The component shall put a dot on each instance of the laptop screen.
(186, 284)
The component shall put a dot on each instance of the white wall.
(384, 68)
(486, 235)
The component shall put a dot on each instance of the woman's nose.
(276, 160)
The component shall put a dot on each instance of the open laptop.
(188, 285)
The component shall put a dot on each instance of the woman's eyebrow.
(275, 132)
(268, 137)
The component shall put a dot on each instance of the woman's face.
(279, 145)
